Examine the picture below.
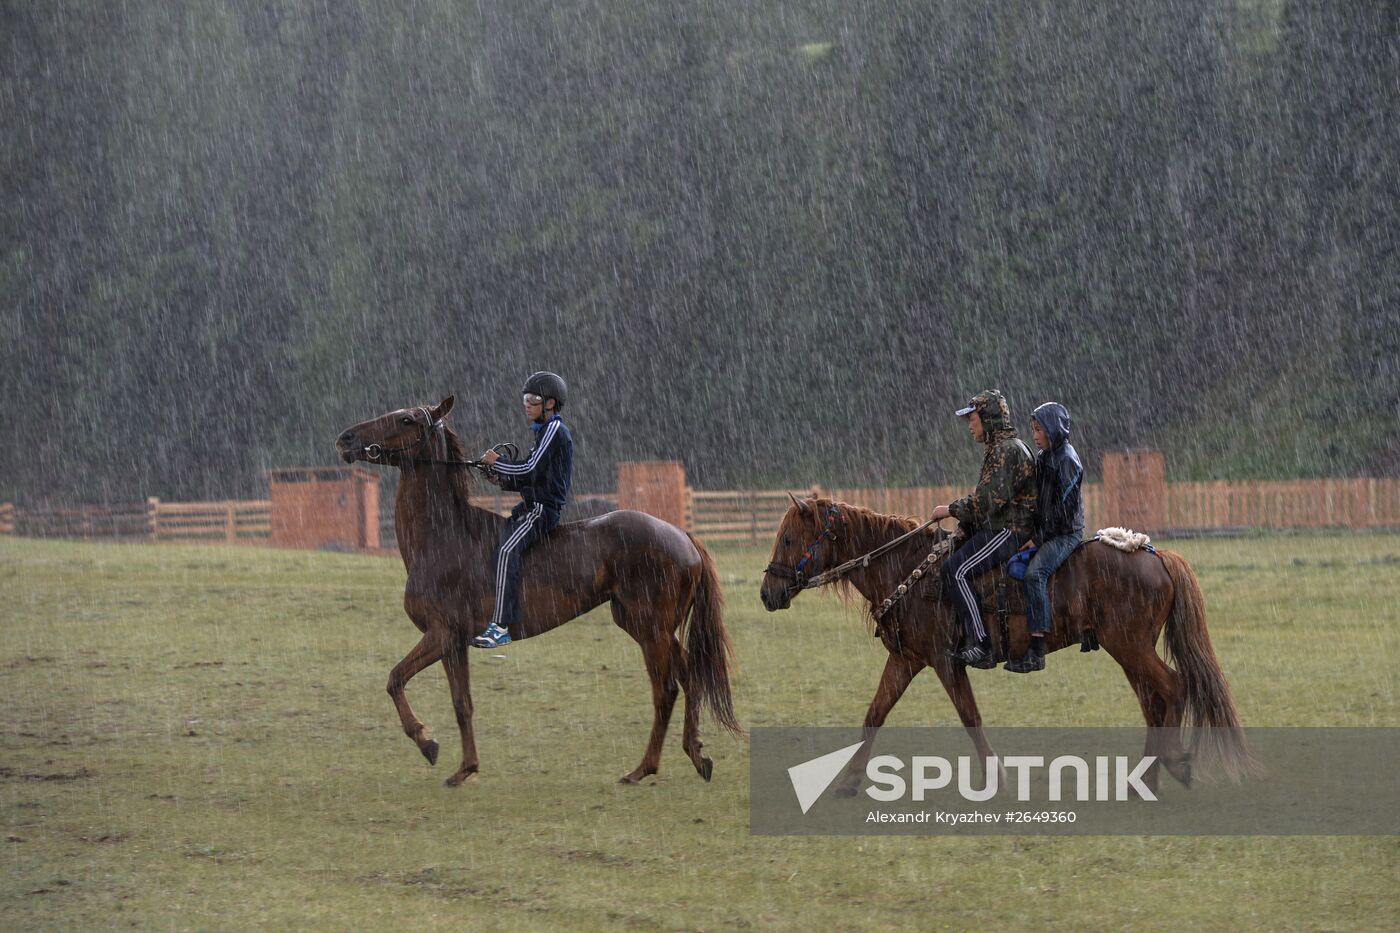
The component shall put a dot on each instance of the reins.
(840, 570)
(376, 452)
(509, 451)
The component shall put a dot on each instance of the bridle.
(376, 453)
(798, 573)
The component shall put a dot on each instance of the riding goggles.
(532, 399)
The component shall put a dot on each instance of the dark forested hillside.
(779, 241)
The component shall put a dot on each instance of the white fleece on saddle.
(1123, 539)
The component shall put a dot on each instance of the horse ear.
(443, 407)
(802, 507)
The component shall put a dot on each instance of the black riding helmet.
(547, 385)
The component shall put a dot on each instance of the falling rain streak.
(777, 241)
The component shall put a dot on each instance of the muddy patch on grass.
(591, 855)
(26, 661)
(10, 774)
(220, 856)
(635, 922)
(456, 883)
(431, 881)
(58, 885)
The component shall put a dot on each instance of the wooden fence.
(231, 522)
(752, 517)
(1317, 503)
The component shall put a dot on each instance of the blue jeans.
(526, 525)
(1051, 555)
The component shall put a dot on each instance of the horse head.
(394, 437)
(805, 544)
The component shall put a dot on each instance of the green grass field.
(199, 738)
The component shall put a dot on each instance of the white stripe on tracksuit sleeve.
(520, 469)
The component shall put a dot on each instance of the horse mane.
(867, 530)
(459, 478)
(867, 525)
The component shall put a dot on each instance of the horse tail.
(708, 648)
(1210, 709)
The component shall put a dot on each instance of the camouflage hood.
(1005, 493)
(991, 406)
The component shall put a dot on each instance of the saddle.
(1002, 601)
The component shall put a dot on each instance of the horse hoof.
(706, 769)
(457, 780)
(430, 751)
(628, 779)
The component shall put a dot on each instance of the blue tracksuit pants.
(982, 551)
(526, 525)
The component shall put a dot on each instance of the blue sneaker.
(494, 637)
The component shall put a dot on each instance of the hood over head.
(991, 406)
(1054, 419)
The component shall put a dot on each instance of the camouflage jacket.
(1005, 493)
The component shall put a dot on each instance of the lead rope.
(940, 550)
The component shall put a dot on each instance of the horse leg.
(1153, 711)
(1163, 699)
(454, 661)
(959, 687)
(424, 654)
(656, 652)
(1169, 697)
(663, 698)
(690, 737)
(899, 672)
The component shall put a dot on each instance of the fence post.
(153, 518)
(7, 518)
(230, 529)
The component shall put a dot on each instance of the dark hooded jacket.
(1005, 493)
(1059, 506)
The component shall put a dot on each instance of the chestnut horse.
(1124, 599)
(659, 581)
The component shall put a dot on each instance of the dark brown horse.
(1124, 599)
(659, 581)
